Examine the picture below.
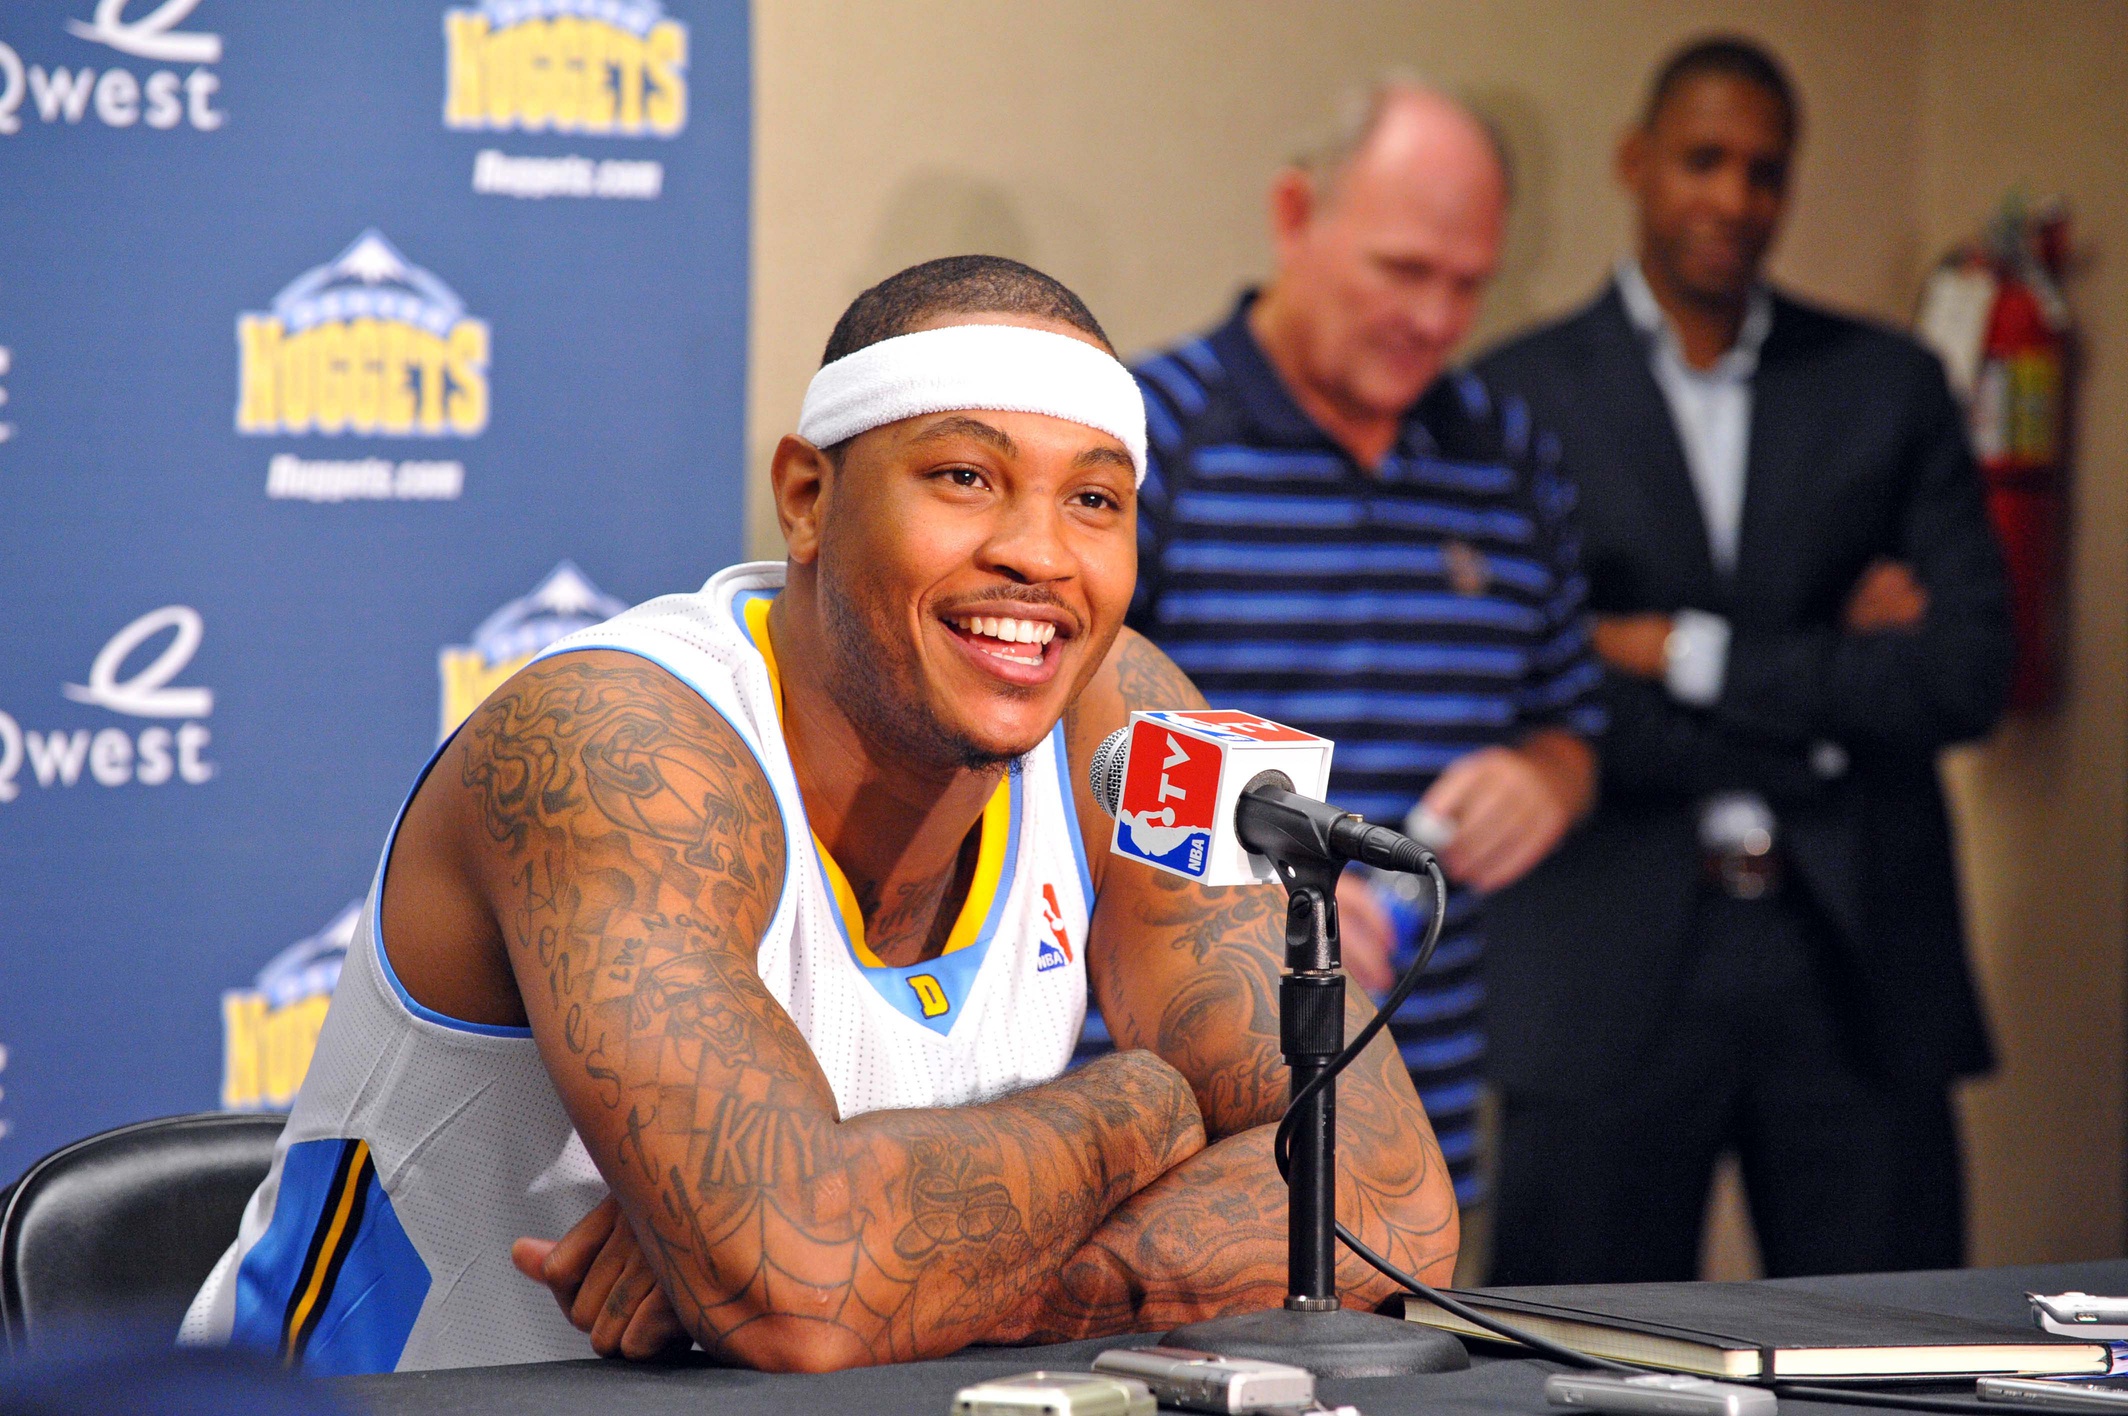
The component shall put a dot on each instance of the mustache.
(1031, 595)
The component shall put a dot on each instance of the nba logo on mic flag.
(1186, 770)
(1169, 797)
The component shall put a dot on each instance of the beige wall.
(2043, 806)
(1125, 148)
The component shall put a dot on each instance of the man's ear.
(1293, 203)
(1630, 163)
(798, 479)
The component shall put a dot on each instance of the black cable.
(1282, 1142)
(1558, 1352)
(1282, 1145)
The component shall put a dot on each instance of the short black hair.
(966, 285)
(1730, 56)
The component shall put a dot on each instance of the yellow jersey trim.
(996, 827)
(354, 1175)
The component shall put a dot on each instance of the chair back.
(127, 1223)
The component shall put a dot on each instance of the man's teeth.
(1012, 631)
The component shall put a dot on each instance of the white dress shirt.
(1711, 410)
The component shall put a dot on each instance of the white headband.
(1010, 368)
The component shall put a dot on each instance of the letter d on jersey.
(929, 995)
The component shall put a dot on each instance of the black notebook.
(1750, 1330)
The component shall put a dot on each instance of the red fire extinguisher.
(1996, 315)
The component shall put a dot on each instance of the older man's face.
(1390, 267)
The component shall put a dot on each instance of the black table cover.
(1497, 1381)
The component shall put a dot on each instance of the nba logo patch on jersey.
(1055, 951)
(1169, 796)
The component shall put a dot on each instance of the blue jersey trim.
(952, 974)
(1071, 815)
(335, 1236)
(908, 989)
(376, 922)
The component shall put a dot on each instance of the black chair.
(129, 1223)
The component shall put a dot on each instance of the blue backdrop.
(351, 352)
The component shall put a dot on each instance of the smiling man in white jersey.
(746, 937)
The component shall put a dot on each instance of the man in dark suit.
(1754, 944)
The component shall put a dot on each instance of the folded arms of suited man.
(1903, 684)
(1909, 692)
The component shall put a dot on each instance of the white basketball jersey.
(421, 1146)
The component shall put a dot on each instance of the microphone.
(1217, 795)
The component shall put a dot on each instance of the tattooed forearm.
(633, 855)
(1193, 973)
(1210, 1238)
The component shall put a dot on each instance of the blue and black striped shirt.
(1412, 614)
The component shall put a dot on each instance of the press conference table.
(1496, 1382)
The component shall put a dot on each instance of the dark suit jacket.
(1857, 451)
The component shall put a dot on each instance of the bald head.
(1385, 242)
(1400, 130)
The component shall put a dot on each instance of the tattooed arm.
(631, 854)
(1192, 973)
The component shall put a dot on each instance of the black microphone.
(1272, 820)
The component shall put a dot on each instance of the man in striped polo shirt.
(1337, 536)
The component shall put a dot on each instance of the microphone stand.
(1313, 1330)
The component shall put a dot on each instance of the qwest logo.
(118, 98)
(566, 601)
(115, 756)
(614, 67)
(371, 345)
(1169, 796)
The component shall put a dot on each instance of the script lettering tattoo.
(633, 854)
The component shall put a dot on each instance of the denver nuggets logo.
(565, 602)
(371, 345)
(611, 67)
(270, 1030)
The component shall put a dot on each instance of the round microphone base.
(1339, 1343)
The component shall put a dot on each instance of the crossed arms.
(1920, 656)
(632, 854)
